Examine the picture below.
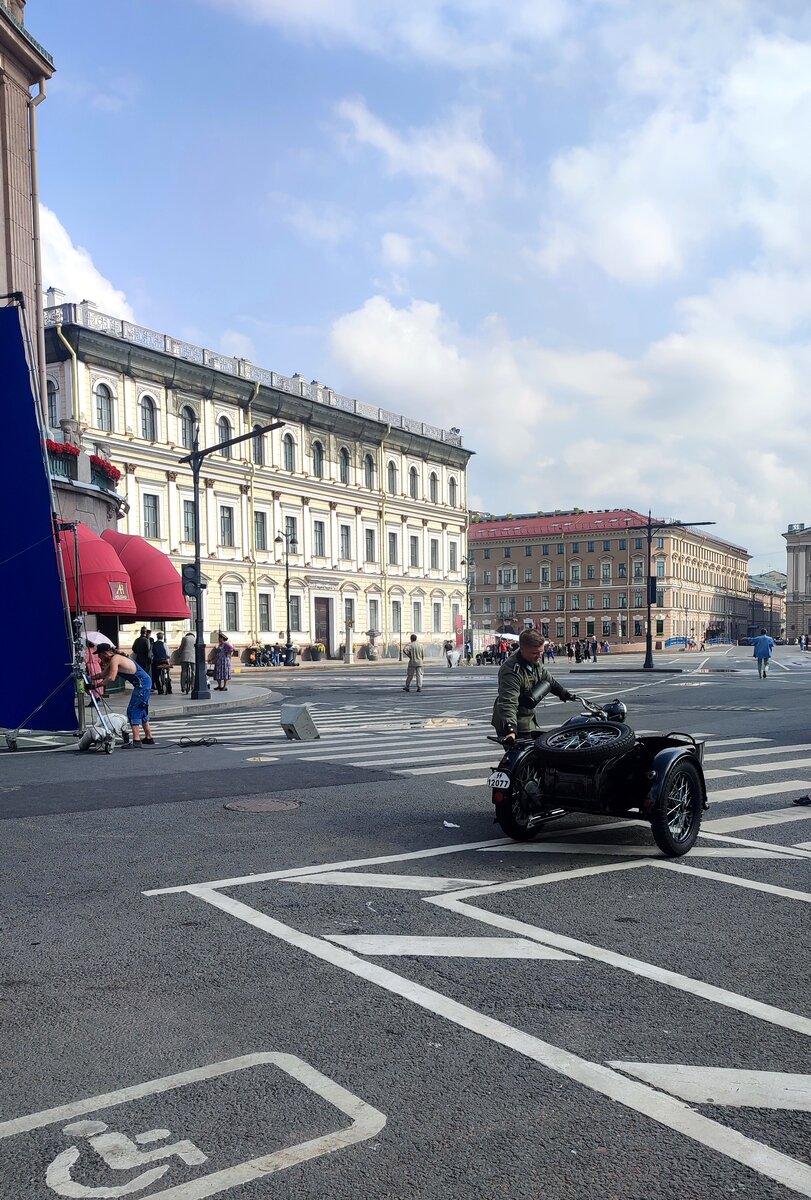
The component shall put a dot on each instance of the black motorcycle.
(596, 763)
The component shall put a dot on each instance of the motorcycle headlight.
(616, 711)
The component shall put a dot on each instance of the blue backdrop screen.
(31, 611)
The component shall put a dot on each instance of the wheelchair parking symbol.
(97, 1145)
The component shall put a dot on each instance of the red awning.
(104, 584)
(156, 585)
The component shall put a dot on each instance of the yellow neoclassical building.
(372, 504)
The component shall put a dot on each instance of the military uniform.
(516, 679)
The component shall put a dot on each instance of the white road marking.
(777, 816)
(447, 947)
(722, 1085)
(736, 741)
(761, 750)
(646, 970)
(793, 851)
(369, 879)
(758, 789)
(366, 1122)
(480, 782)
(613, 849)
(773, 768)
(671, 1113)
(475, 763)
(737, 880)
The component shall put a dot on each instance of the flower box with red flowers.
(63, 448)
(103, 472)
(63, 458)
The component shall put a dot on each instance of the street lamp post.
(649, 528)
(289, 542)
(192, 580)
(468, 635)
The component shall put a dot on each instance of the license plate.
(499, 780)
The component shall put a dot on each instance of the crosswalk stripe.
(759, 789)
(754, 753)
(777, 816)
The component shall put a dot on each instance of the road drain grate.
(260, 804)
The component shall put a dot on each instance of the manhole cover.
(260, 804)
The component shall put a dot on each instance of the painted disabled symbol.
(120, 1153)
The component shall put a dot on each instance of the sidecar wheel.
(512, 813)
(676, 818)
(579, 745)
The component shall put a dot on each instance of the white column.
(173, 528)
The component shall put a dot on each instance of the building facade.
(583, 574)
(363, 510)
(767, 604)
(798, 589)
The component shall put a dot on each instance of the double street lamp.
(193, 584)
(469, 580)
(288, 540)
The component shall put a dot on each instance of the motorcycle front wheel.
(513, 812)
(676, 818)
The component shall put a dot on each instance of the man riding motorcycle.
(514, 710)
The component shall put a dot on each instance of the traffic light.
(188, 574)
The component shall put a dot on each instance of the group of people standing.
(154, 657)
(586, 649)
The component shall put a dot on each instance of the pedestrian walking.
(569, 651)
(416, 657)
(185, 656)
(763, 650)
(161, 677)
(222, 662)
(115, 664)
(447, 647)
(594, 649)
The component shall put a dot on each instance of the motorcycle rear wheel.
(513, 812)
(676, 818)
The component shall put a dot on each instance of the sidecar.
(597, 766)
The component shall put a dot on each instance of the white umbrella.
(94, 638)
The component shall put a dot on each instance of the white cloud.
(451, 153)
(315, 221)
(71, 269)
(396, 250)
(237, 344)
(456, 34)
(698, 426)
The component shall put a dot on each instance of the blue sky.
(578, 229)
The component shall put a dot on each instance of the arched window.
(149, 419)
(104, 407)
(343, 460)
(433, 488)
(53, 404)
(369, 471)
(288, 452)
(318, 460)
(223, 434)
(258, 446)
(391, 478)
(188, 420)
(413, 484)
(452, 492)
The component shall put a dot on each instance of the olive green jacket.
(516, 678)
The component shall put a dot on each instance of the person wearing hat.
(142, 650)
(114, 664)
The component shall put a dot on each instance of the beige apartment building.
(798, 588)
(372, 504)
(583, 574)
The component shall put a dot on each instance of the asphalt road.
(368, 992)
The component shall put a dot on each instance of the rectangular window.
(575, 601)
(487, 604)
(590, 547)
(576, 629)
(416, 608)
(369, 545)
(488, 575)
(414, 551)
(437, 611)
(590, 627)
(638, 570)
(590, 572)
(487, 554)
(544, 604)
(575, 547)
(544, 549)
(152, 524)
(622, 600)
(291, 533)
(508, 551)
(374, 615)
(260, 531)
(226, 526)
(349, 611)
(660, 543)
(392, 549)
(561, 548)
(559, 574)
(319, 539)
(188, 521)
(605, 572)
(396, 616)
(230, 601)
(660, 597)
(528, 575)
(295, 614)
(660, 626)
(527, 552)
(639, 543)
(346, 541)
(606, 599)
(623, 544)
(559, 628)
(434, 554)
(527, 604)
(560, 603)
(575, 574)
(622, 571)
(453, 554)
(639, 628)
(264, 612)
(590, 600)
(638, 601)
(606, 627)
(660, 568)
(606, 545)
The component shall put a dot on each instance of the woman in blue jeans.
(115, 664)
